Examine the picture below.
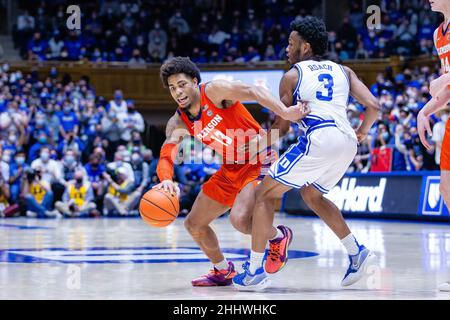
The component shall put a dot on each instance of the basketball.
(159, 208)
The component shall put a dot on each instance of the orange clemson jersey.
(443, 46)
(222, 129)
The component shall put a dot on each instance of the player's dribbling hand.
(168, 186)
(423, 124)
(297, 112)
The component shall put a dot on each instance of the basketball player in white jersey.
(320, 158)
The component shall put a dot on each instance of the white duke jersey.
(326, 87)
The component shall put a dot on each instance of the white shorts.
(320, 158)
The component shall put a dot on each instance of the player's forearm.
(370, 116)
(437, 103)
(164, 170)
(266, 99)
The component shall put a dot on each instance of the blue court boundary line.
(394, 174)
(367, 218)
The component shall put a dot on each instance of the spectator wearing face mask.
(5, 159)
(152, 164)
(179, 23)
(136, 59)
(17, 169)
(110, 127)
(70, 142)
(15, 141)
(68, 121)
(38, 195)
(94, 170)
(39, 126)
(52, 122)
(398, 157)
(383, 136)
(438, 134)
(90, 119)
(129, 122)
(121, 197)
(141, 171)
(35, 149)
(119, 162)
(70, 165)
(118, 105)
(136, 143)
(78, 199)
(50, 169)
(157, 40)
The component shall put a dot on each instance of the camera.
(32, 174)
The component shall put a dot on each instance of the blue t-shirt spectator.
(68, 120)
(94, 173)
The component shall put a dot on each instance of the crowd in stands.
(66, 152)
(140, 32)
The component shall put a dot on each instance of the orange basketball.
(159, 208)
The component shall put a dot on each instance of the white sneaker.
(358, 266)
(445, 287)
(31, 214)
(53, 214)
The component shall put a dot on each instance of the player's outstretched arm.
(281, 127)
(219, 90)
(175, 131)
(438, 102)
(362, 94)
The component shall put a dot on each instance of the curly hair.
(178, 65)
(313, 31)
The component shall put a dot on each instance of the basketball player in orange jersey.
(440, 92)
(210, 112)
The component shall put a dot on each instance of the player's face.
(297, 49)
(293, 48)
(183, 89)
(438, 5)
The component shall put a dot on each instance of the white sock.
(222, 264)
(351, 244)
(256, 260)
(279, 235)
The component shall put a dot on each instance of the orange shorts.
(226, 183)
(445, 150)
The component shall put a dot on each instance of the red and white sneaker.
(277, 256)
(216, 278)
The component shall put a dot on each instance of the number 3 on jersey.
(327, 79)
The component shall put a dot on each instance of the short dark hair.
(178, 65)
(312, 30)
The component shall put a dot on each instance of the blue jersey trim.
(296, 93)
(348, 81)
(318, 187)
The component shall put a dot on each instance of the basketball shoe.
(216, 278)
(358, 265)
(445, 287)
(246, 281)
(277, 256)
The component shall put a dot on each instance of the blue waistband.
(313, 123)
